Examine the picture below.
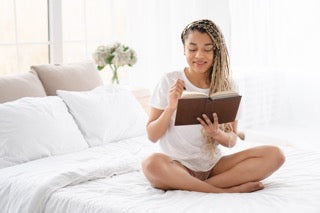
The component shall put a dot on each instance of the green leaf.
(109, 59)
(125, 48)
(100, 67)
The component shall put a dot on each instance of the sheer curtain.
(155, 27)
(151, 27)
(274, 51)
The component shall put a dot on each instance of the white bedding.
(108, 179)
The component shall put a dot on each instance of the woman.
(191, 159)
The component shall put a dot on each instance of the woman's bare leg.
(249, 165)
(164, 173)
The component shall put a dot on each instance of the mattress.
(109, 179)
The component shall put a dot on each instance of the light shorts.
(199, 175)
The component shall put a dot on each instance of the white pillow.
(106, 114)
(37, 127)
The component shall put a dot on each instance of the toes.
(257, 186)
(261, 185)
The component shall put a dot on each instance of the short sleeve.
(159, 97)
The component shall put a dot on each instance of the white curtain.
(274, 51)
(155, 27)
(151, 27)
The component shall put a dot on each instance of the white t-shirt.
(182, 143)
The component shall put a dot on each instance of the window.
(92, 23)
(24, 37)
(64, 31)
(56, 31)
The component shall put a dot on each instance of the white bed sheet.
(109, 179)
(293, 188)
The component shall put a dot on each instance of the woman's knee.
(275, 155)
(154, 167)
(154, 164)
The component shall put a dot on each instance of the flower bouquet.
(115, 55)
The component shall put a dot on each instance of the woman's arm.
(158, 123)
(159, 120)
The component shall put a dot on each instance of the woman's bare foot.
(248, 187)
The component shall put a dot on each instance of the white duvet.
(27, 187)
(108, 179)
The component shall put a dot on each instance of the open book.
(193, 104)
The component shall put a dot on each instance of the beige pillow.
(72, 77)
(13, 87)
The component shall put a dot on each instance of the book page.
(191, 94)
(224, 94)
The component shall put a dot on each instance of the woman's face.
(198, 49)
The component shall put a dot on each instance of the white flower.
(115, 45)
(101, 54)
(133, 57)
(121, 57)
(117, 54)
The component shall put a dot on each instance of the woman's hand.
(211, 129)
(175, 93)
(227, 139)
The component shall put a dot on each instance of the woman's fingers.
(215, 119)
(202, 122)
(175, 89)
(176, 93)
(180, 84)
(208, 121)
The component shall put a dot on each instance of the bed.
(109, 179)
(55, 157)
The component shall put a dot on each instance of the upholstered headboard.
(44, 80)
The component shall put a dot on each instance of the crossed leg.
(239, 172)
(253, 164)
(166, 174)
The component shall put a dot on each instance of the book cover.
(192, 105)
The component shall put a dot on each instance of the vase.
(114, 71)
(112, 75)
(115, 78)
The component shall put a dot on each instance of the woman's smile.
(199, 62)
